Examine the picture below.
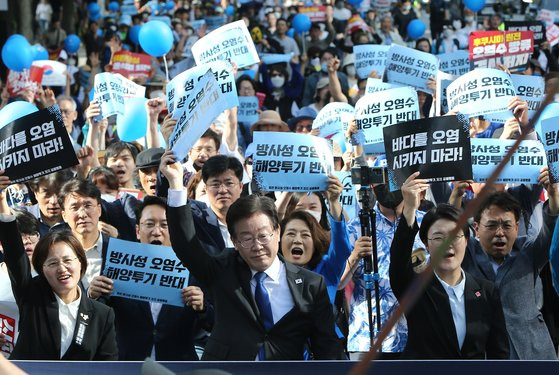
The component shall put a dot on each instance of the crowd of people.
(274, 275)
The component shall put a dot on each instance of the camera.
(366, 176)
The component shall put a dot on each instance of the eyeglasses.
(151, 225)
(53, 264)
(262, 239)
(88, 207)
(216, 185)
(493, 226)
(208, 149)
(31, 238)
(438, 240)
(303, 127)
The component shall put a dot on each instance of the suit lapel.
(54, 322)
(472, 298)
(296, 284)
(244, 293)
(83, 320)
(439, 298)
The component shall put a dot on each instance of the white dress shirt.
(94, 260)
(67, 315)
(457, 306)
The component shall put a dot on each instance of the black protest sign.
(35, 145)
(538, 27)
(438, 147)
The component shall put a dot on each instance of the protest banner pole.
(166, 68)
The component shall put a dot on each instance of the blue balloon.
(416, 28)
(17, 54)
(301, 23)
(17, 36)
(15, 110)
(474, 5)
(170, 5)
(113, 6)
(93, 8)
(291, 32)
(72, 43)
(39, 52)
(355, 3)
(95, 17)
(134, 123)
(156, 38)
(134, 33)
(230, 10)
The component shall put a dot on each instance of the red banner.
(509, 48)
(27, 79)
(317, 13)
(131, 65)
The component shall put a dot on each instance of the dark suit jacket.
(136, 333)
(121, 214)
(431, 330)
(238, 332)
(39, 328)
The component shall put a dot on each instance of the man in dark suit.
(265, 308)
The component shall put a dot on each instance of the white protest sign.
(376, 84)
(375, 111)
(333, 118)
(547, 16)
(54, 72)
(480, 92)
(549, 129)
(180, 87)
(528, 88)
(443, 80)
(112, 90)
(291, 162)
(455, 63)
(274, 58)
(552, 34)
(203, 106)
(348, 198)
(247, 111)
(9, 314)
(229, 42)
(411, 67)
(523, 168)
(369, 57)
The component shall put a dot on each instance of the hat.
(269, 118)
(149, 158)
(322, 83)
(348, 59)
(302, 114)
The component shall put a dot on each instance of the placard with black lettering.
(410, 67)
(35, 145)
(550, 134)
(537, 27)
(437, 147)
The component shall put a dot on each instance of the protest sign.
(438, 147)
(552, 33)
(523, 168)
(480, 92)
(274, 58)
(180, 87)
(9, 314)
(550, 137)
(443, 80)
(111, 90)
(455, 63)
(35, 145)
(333, 118)
(131, 64)
(369, 57)
(247, 111)
(537, 27)
(165, 19)
(54, 72)
(411, 67)
(380, 109)
(528, 88)
(375, 85)
(291, 162)
(230, 42)
(546, 15)
(145, 272)
(195, 117)
(215, 22)
(28, 79)
(348, 198)
(316, 13)
(509, 48)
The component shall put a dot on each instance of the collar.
(273, 272)
(74, 305)
(457, 289)
(98, 245)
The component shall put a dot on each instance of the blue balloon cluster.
(17, 53)
(134, 123)
(301, 23)
(416, 29)
(474, 5)
(113, 6)
(72, 43)
(15, 110)
(156, 38)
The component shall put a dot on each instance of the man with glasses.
(267, 309)
(68, 108)
(513, 263)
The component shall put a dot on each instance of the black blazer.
(173, 333)
(431, 330)
(39, 327)
(238, 332)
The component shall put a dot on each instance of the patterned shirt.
(358, 338)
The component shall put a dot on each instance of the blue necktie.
(263, 302)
